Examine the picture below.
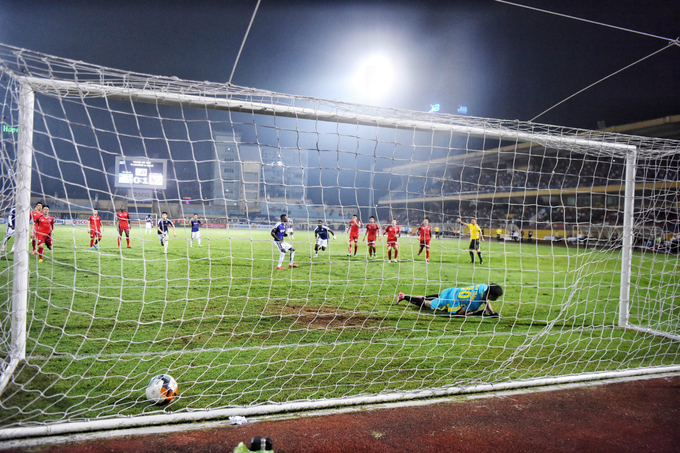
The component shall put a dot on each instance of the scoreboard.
(141, 173)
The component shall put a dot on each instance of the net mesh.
(235, 331)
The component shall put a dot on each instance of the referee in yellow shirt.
(475, 236)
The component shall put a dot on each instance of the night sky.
(500, 61)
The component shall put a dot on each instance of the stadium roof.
(667, 127)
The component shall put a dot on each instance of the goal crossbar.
(64, 87)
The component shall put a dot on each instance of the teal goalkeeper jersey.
(453, 299)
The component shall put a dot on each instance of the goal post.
(23, 208)
(584, 254)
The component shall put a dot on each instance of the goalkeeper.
(472, 300)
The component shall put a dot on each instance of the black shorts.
(474, 244)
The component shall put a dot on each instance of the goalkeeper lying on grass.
(472, 300)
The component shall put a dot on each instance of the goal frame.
(30, 85)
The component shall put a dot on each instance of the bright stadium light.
(374, 77)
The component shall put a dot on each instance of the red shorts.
(125, 229)
(371, 241)
(425, 244)
(43, 238)
(94, 234)
(392, 244)
(354, 238)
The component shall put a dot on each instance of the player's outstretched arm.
(174, 232)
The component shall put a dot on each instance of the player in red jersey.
(425, 232)
(34, 218)
(354, 226)
(123, 220)
(371, 233)
(95, 227)
(44, 229)
(392, 232)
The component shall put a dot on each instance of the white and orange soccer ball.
(161, 389)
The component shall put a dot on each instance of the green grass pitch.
(235, 331)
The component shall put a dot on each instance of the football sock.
(33, 242)
(199, 242)
(119, 241)
(427, 254)
(472, 256)
(128, 241)
(417, 301)
(292, 254)
(396, 253)
(479, 254)
(389, 254)
(281, 257)
(356, 247)
(91, 242)
(40, 252)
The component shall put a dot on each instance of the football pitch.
(234, 331)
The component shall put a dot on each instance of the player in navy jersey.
(163, 233)
(149, 224)
(472, 300)
(280, 231)
(195, 230)
(11, 225)
(321, 235)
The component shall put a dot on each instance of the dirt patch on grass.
(323, 317)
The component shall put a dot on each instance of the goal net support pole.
(627, 251)
(21, 236)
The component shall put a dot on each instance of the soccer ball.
(161, 389)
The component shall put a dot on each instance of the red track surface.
(634, 416)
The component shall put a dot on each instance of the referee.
(475, 236)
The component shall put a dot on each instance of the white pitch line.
(250, 348)
(412, 342)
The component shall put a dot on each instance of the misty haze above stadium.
(509, 62)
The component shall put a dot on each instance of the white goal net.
(579, 228)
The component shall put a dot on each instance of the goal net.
(579, 229)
